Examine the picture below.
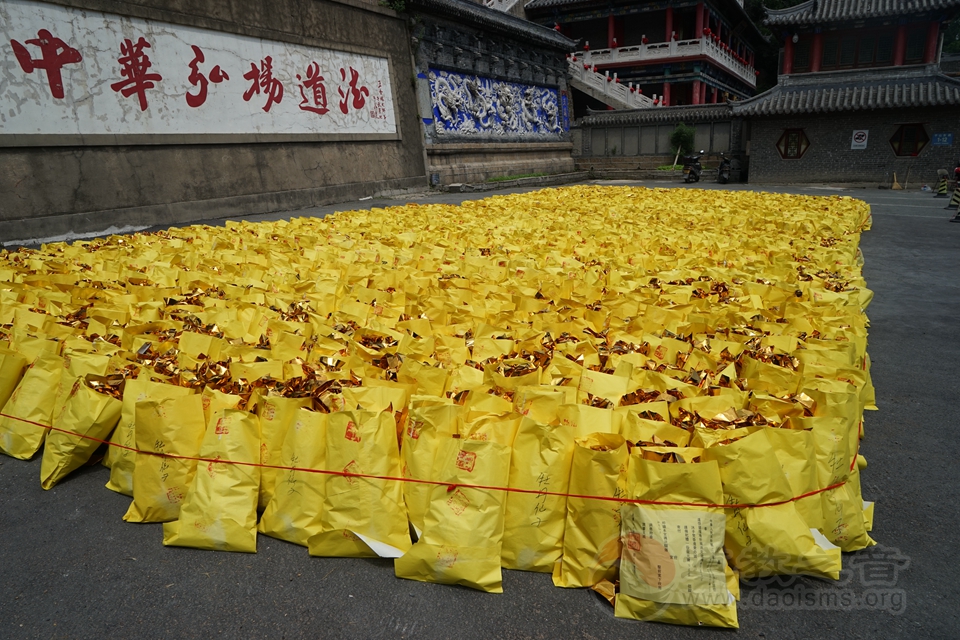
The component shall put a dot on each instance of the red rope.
(448, 485)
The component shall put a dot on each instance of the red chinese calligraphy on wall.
(135, 65)
(197, 79)
(358, 94)
(262, 80)
(378, 110)
(313, 91)
(54, 55)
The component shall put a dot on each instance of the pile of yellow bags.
(649, 392)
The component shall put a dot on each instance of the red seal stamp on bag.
(458, 502)
(661, 352)
(222, 428)
(174, 495)
(466, 460)
(447, 557)
(413, 430)
(352, 467)
(352, 433)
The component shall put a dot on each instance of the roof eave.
(497, 21)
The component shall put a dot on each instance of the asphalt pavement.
(71, 568)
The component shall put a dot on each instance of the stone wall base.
(68, 226)
(479, 162)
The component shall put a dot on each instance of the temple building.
(860, 96)
(638, 53)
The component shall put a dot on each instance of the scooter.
(723, 171)
(692, 168)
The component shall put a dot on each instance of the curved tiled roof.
(686, 113)
(822, 11)
(497, 21)
(814, 95)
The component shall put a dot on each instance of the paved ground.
(69, 567)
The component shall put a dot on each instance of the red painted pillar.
(611, 32)
(666, 94)
(703, 93)
(716, 92)
(933, 35)
(816, 55)
(788, 56)
(698, 30)
(900, 46)
(669, 21)
(696, 92)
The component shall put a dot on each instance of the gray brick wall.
(830, 158)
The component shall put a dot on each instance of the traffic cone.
(955, 203)
(941, 188)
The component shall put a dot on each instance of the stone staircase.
(606, 88)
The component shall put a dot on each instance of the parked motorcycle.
(723, 171)
(692, 168)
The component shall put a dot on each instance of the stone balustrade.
(609, 85)
(673, 49)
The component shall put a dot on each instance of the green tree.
(682, 138)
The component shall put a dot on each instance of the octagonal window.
(909, 139)
(793, 144)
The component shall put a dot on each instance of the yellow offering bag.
(85, 413)
(362, 517)
(636, 429)
(428, 425)
(220, 509)
(77, 364)
(173, 426)
(769, 378)
(584, 419)
(534, 522)
(591, 539)
(12, 367)
(542, 403)
(121, 457)
(276, 414)
(847, 518)
(797, 452)
(32, 400)
(463, 526)
(673, 568)
(294, 512)
(772, 539)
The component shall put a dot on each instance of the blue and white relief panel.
(475, 106)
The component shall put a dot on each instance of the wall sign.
(473, 105)
(941, 140)
(66, 71)
(859, 140)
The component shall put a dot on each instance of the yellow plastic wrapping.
(428, 426)
(463, 526)
(170, 427)
(624, 318)
(220, 508)
(12, 367)
(85, 413)
(362, 517)
(673, 568)
(31, 404)
(122, 459)
(293, 513)
(277, 414)
(534, 522)
(768, 540)
(591, 539)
